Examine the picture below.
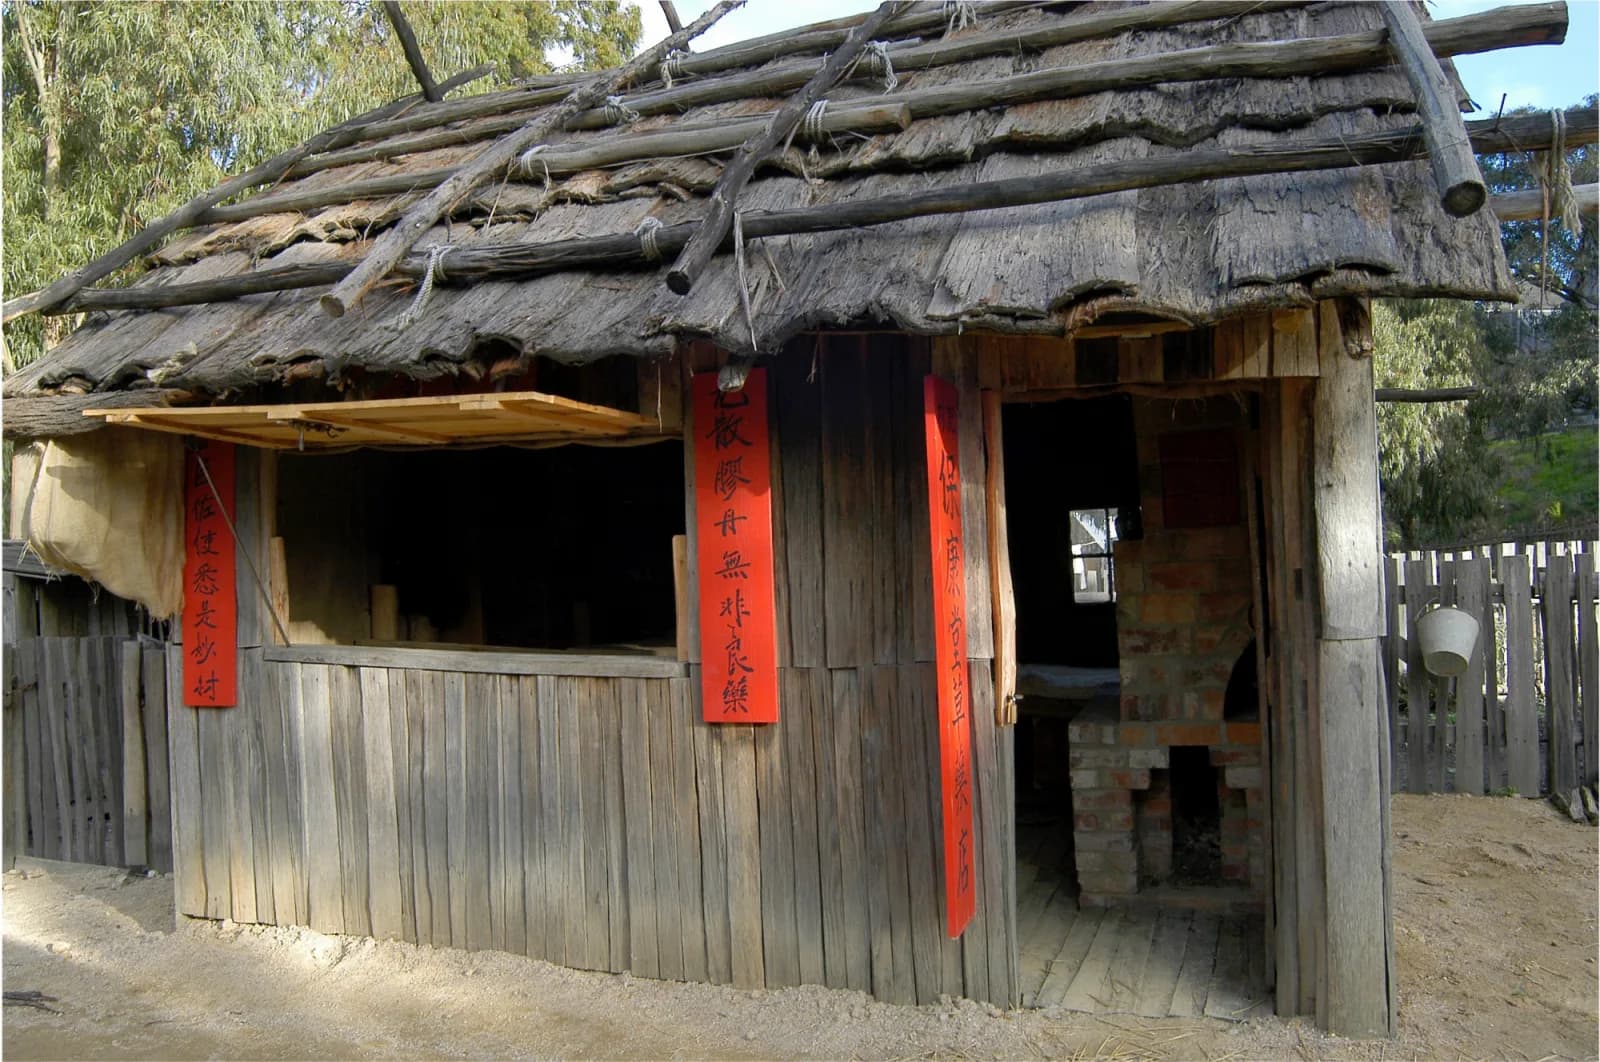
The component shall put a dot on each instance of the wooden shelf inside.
(508, 416)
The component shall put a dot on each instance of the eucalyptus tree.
(117, 111)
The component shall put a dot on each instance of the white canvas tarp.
(108, 505)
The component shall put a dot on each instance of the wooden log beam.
(1427, 394)
(669, 11)
(408, 44)
(1476, 32)
(718, 219)
(701, 138)
(54, 416)
(622, 250)
(1530, 205)
(1455, 171)
(1503, 27)
(155, 234)
(399, 239)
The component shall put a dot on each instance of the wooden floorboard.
(1064, 967)
(1160, 978)
(1194, 978)
(1041, 944)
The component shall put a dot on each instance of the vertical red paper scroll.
(950, 648)
(210, 603)
(733, 532)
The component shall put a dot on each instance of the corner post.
(1359, 996)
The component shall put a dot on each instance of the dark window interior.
(568, 547)
(1061, 456)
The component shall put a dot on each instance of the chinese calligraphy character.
(733, 608)
(205, 542)
(205, 686)
(725, 430)
(202, 509)
(961, 791)
(205, 579)
(964, 845)
(738, 660)
(206, 615)
(729, 524)
(950, 486)
(734, 566)
(736, 695)
(730, 475)
(203, 649)
(952, 560)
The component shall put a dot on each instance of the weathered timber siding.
(597, 822)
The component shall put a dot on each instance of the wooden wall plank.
(742, 824)
(1472, 596)
(779, 937)
(510, 790)
(158, 783)
(72, 764)
(851, 813)
(605, 695)
(289, 683)
(458, 835)
(912, 563)
(830, 825)
(552, 819)
(714, 870)
(54, 690)
(995, 849)
(253, 783)
(691, 902)
(846, 496)
(922, 854)
(1439, 746)
(325, 893)
(481, 709)
(135, 823)
(400, 762)
(804, 696)
(573, 815)
(885, 368)
(274, 795)
(1559, 675)
(383, 815)
(350, 797)
(1419, 686)
(487, 794)
(235, 725)
(664, 832)
(215, 811)
(430, 897)
(1391, 657)
(955, 360)
(637, 799)
(25, 667)
(895, 979)
(691, 601)
(1588, 669)
(183, 761)
(535, 889)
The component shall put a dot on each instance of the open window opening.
(564, 548)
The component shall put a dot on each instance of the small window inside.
(563, 548)
(1094, 535)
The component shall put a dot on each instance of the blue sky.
(1533, 77)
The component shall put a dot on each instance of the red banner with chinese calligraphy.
(940, 409)
(210, 604)
(733, 534)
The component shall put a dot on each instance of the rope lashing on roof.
(646, 231)
(433, 272)
(811, 124)
(672, 66)
(526, 160)
(959, 14)
(619, 113)
(876, 58)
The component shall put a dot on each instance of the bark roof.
(1195, 252)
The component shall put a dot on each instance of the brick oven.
(1166, 779)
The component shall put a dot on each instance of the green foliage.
(1437, 478)
(1548, 481)
(117, 112)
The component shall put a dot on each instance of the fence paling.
(1537, 654)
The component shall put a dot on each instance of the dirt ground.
(1496, 920)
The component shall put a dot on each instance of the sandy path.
(1496, 945)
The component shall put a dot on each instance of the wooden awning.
(511, 416)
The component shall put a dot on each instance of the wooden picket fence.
(1524, 716)
(85, 770)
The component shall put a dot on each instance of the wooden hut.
(1018, 294)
